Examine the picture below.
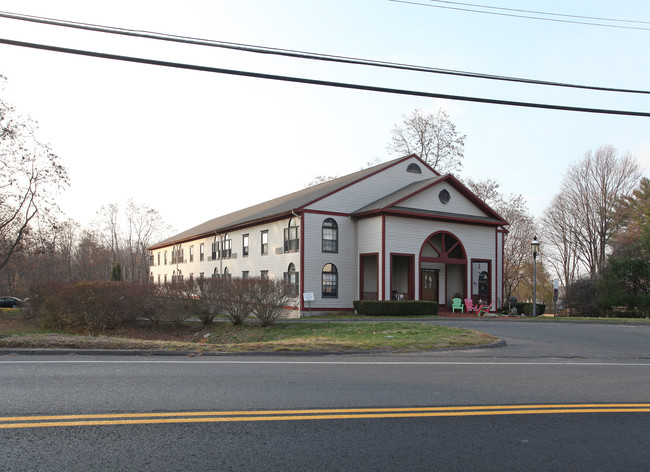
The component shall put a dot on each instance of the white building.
(398, 230)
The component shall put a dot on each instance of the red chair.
(484, 309)
(470, 305)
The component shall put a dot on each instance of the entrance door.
(429, 284)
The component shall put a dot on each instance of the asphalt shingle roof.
(273, 208)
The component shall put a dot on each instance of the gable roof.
(279, 207)
(391, 202)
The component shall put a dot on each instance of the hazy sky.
(196, 145)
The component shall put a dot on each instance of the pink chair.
(470, 305)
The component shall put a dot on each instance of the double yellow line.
(11, 422)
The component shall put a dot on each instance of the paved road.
(574, 340)
(542, 364)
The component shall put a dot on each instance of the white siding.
(429, 200)
(372, 188)
(275, 263)
(346, 261)
(406, 236)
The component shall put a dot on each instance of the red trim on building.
(323, 212)
(302, 261)
(383, 257)
(362, 273)
(426, 216)
(405, 158)
(411, 269)
(332, 309)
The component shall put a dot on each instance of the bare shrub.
(175, 302)
(208, 294)
(236, 299)
(268, 299)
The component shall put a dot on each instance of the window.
(330, 236)
(226, 247)
(151, 277)
(226, 273)
(151, 259)
(158, 279)
(177, 255)
(330, 281)
(215, 248)
(244, 245)
(158, 257)
(165, 278)
(291, 278)
(165, 257)
(264, 274)
(191, 253)
(265, 242)
(414, 168)
(291, 237)
(191, 276)
(215, 274)
(201, 275)
(244, 274)
(202, 252)
(481, 281)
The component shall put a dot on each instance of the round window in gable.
(444, 196)
(414, 168)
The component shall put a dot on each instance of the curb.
(145, 353)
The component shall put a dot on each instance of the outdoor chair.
(484, 309)
(469, 305)
(457, 304)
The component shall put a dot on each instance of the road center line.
(302, 415)
(289, 362)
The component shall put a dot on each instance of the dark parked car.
(10, 302)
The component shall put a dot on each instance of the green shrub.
(396, 307)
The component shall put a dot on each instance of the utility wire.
(557, 20)
(490, 7)
(370, 88)
(301, 54)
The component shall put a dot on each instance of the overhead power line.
(370, 88)
(490, 7)
(301, 54)
(512, 15)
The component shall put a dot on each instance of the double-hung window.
(292, 278)
(264, 245)
(330, 281)
(291, 237)
(226, 247)
(244, 245)
(330, 236)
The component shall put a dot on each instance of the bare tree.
(109, 229)
(30, 178)
(93, 258)
(521, 231)
(433, 137)
(592, 189)
(562, 252)
(143, 224)
(319, 179)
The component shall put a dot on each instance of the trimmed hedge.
(527, 309)
(395, 307)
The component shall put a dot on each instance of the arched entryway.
(443, 268)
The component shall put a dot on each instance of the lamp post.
(535, 247)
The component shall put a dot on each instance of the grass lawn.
(18, 332)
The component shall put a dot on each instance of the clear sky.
(196, 145)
